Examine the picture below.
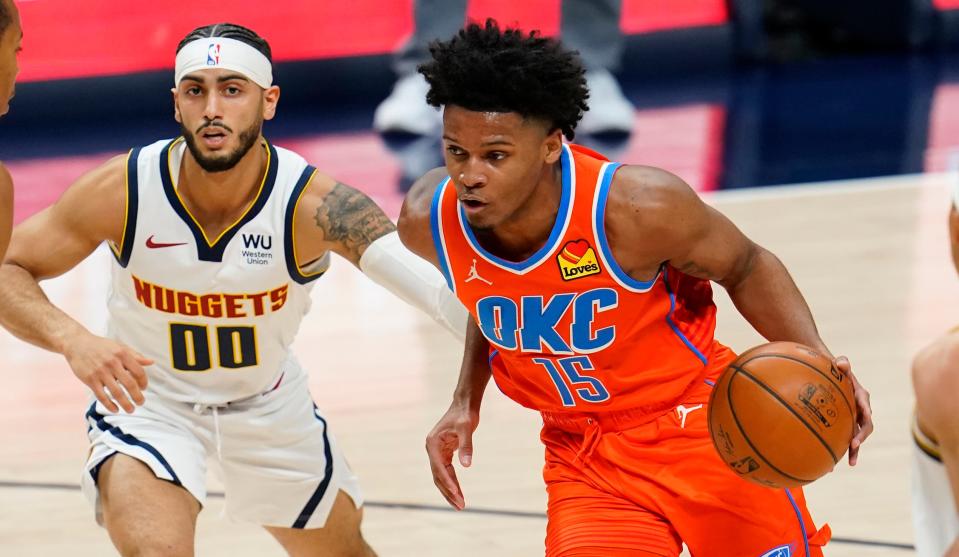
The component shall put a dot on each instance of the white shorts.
(934, 518)
(280, 465)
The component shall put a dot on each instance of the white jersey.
(218, 315)
(934, 517)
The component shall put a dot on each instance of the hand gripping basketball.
(783, 415)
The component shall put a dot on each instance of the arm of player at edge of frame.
(679, 228)
(6, 209)
(51, 243)
(453, 433)
(935, 379)
(332, 216)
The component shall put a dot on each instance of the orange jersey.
(569, 330)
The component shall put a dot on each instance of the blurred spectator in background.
(589, 26)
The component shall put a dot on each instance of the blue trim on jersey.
(130, 226)
(600, 217)
(672, 324)
(317, 496)
(206, 252)
(295, 273)
(802, 525)
(435, 207)
(562, 216)
(106, 427)
(492, 355)
(710, 383)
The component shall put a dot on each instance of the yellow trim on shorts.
(925, 442)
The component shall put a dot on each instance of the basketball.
(782, 415)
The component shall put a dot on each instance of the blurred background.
(728, 94)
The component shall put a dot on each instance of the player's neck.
(221, 194)
(529, 227)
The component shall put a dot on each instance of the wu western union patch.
(576, 260)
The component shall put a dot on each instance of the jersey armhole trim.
(125, 249)
(599, 231)
(439, 239)
(289, 235)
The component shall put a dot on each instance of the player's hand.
(863, 427)
(113, 372)
(453, 433)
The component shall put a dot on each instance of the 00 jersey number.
(190, 347)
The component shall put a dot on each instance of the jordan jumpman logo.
(683, 411)
(475, 276)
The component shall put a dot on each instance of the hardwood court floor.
(871, 257)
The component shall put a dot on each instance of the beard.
(222, 163)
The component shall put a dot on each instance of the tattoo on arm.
(351, 219)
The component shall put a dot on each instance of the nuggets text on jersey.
(214, 305)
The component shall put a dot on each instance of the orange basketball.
(782, 415)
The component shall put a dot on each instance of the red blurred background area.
(67, 38)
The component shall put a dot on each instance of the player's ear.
(176, 105)
(553, 145)
(271, 97)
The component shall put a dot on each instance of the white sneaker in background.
(405, 110)
(609, 110)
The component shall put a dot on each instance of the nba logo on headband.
(213, 54)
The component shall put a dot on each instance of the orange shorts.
(647, 489)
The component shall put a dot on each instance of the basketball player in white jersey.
(935, 430)
(217, 237)
(10, 37)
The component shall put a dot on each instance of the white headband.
(229, 54)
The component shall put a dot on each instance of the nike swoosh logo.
(155, 245)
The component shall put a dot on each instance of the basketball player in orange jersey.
(935, 431)
(218, 238)
(10, 37)
(589, 285)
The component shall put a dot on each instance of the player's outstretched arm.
(332, 216)
(454, 431)
(6, 209)
(49, 244)
(673, 225)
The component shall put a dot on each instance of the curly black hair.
(229, 31)
(486, 69)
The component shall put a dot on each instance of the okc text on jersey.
(532, 325)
